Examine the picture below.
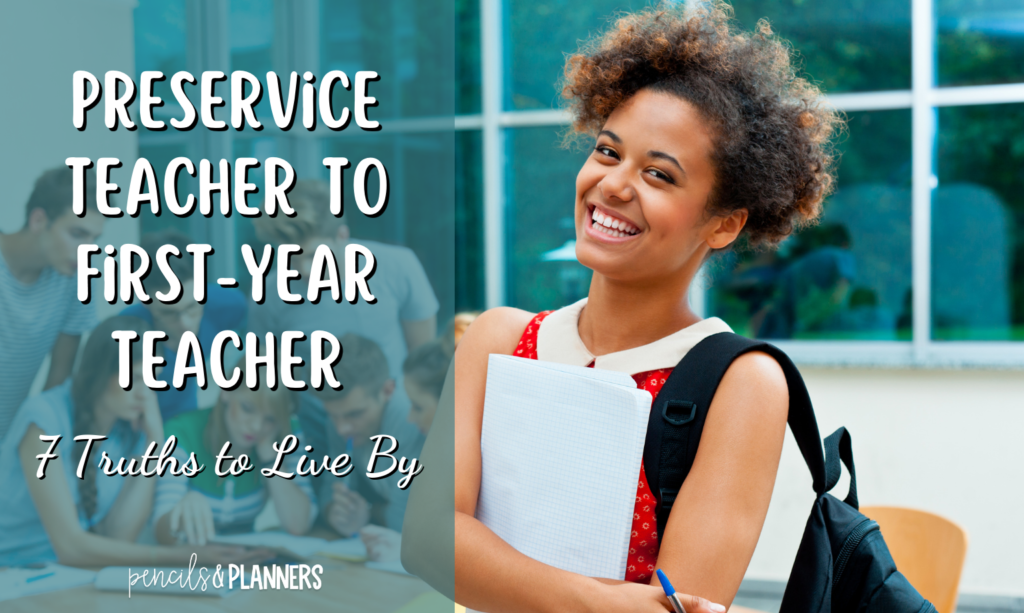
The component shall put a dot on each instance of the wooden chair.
(928, 549)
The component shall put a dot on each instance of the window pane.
(251, 36)
(409, 44)
(848, 277)
(467, 56)
(160, 45)
(980, 41)
(846, 46)
(469, 222)
(542, 271)
(977, 213)
(538, 34)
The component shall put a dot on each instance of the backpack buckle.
(679, 412)
(668, 497)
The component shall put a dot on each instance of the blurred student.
(195, 509)
(225, 309)
(404, 316)
(358, 411)
(90, 521)
(425, 371)
(460, 323)
(40, 312)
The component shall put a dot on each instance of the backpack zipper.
(850, 545)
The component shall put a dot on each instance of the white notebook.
(561, 450)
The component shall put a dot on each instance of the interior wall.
(945, 441)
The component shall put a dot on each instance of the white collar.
(558, 340)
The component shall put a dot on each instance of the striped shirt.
(31, 318)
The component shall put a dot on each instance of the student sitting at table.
(90, 521)
(342, 422)
(224, 309)
(194, 509)
(424, 371)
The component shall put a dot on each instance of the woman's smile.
(608, 227)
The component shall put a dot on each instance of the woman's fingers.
(208, 521)
(344, 503)
(175, 519)
(191, 530)
(696, 604)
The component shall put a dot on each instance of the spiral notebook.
(561, 449)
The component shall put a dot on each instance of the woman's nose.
(617, 184)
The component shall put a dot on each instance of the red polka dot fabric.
(643, 541)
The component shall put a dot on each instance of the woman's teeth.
(613, 227)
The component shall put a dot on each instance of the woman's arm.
(130, 511)
(134, 504)
(720, 510)
(292, 503)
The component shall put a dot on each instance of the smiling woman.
(703, 136)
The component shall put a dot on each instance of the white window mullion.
(923, 147)
(492, 66)
(208, 49)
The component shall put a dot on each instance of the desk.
(347, 588)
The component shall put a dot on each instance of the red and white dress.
(553, 336)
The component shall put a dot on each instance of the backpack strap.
(678, 415)
(839, 448)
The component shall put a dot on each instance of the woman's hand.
(348, 511)
(194, 516)
(639, 598)
(382, 544)
(265, 447)
(150, 422)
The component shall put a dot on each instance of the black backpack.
(843, 563)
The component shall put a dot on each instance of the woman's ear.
(725, 229)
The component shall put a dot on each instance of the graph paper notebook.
(561, 449)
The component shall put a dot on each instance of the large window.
(919, 256)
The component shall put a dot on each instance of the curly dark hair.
(772, 133)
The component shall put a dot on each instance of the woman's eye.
(657, 174)
(606, 151)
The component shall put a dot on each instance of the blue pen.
(38, 577)
(670, 592)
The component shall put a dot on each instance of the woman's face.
(246, 420)
(649, 178)
(126, 404)
(423, 405)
